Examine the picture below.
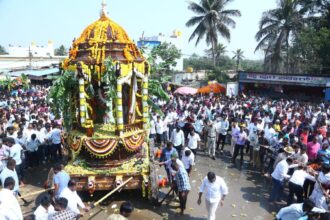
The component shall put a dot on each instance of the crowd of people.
(286, 140)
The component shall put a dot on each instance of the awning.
(214, 88)
(185, 91)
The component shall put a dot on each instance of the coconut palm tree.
(276, 28)
(238, 55)
(212, 19)
(219, 51)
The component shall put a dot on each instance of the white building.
(34, 49)
(175, 38)
(190, 79)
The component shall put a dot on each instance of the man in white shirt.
(55, 139)
(295, 211)
(42, 137)
(61, 179)
(168, 163)
(222, 127)
(9, 171)
(160, 130)
(152, 129)
(296, 184)
(15, 152)
(278, 177)
(252, 128)
(193, 140)
(172, 117)
(188, 159)
(45, 209)
(8, 202)
(234, 130)
(177, 138)
(269, 132)
(73, 198)
(199, 125)
(215, 190)
(317, 196)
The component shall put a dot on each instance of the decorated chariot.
(108, 140)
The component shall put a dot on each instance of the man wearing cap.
(171, 173)
(285, 153)
(174, 159)
(211, 136)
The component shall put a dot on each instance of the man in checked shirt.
(182, 181)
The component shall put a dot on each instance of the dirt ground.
(247, 199)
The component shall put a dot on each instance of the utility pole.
(30, 58)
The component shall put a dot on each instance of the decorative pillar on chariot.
(82, 101)
(145, 103)
(120, 120)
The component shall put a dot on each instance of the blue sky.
(23, 21)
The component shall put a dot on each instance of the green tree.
(2, 50)
(198, 63)
(238, 56)
(252, 65)
(212, 19)
(61, 51)
(218, 74)
(163, 58)
(311, 51)
(276, 28)
(317, 10)
(220, 50)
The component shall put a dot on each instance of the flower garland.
(100, 147)
(134, 142)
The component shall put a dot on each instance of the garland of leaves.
(9, 84)
(156, 89)
(110, 80)
(62, 97)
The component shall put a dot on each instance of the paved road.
(247, 199)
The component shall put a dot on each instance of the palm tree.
(212, 19)
(276, 28)
(238, 55)
(219, 51)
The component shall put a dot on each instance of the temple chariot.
(108, 140)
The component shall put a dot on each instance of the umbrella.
(214, 87)
(186, 91)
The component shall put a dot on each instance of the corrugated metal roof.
(43, 72)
